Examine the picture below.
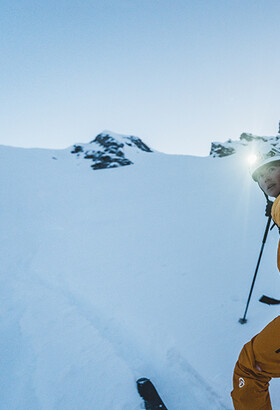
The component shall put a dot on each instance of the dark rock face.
(138, 143)
(108, 151)
(220, 150)
(112, 145)
(108, 143)
(250, 137)
(77, 149)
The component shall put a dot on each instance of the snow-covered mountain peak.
(247, 143)
(111, 150)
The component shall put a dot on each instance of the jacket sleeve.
(275, 213)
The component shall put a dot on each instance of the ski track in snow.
(193, 388)
(56, 307)
(75, 361)
(202, 392)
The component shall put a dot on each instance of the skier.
(259, 360)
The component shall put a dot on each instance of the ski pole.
(243, 319)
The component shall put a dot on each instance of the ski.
(269, 301)
(148, 392)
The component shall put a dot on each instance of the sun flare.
(252, 158)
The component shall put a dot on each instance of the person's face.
(269, 179)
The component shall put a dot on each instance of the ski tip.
(269, 301)
(149, 394)
(141, 385)
(142, 380)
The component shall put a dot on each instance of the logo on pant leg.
(241, 382)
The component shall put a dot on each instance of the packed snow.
(138, 271)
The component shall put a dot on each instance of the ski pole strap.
(267, 229)
(268, 211)
(274, 224)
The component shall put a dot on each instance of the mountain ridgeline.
(112, 150)
(247, 141)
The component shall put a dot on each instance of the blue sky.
(178, 74)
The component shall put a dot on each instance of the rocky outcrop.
(268, 145)
(109, 150)
(221, 150)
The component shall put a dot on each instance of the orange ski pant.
(258, 362)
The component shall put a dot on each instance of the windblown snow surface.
(116, 274)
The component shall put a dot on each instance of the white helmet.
(263, 159)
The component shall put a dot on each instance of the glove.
(268, 208)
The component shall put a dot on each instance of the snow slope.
(115, 274)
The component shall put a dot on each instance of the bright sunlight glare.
(252, 159)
